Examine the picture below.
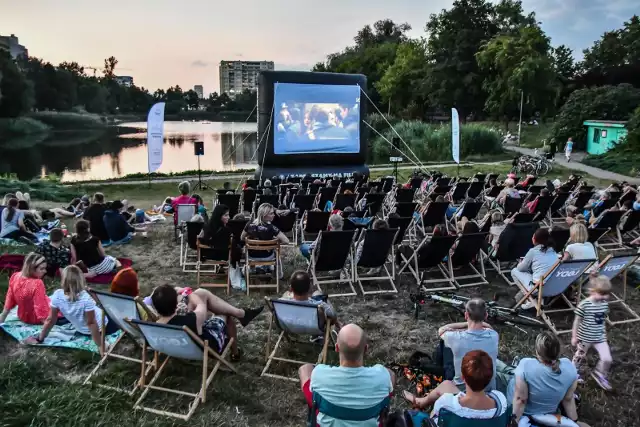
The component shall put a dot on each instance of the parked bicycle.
(536, 165)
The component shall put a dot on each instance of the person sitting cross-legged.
(473, 403)
(350, 385)
(301, 290)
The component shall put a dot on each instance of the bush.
(600, 103)
(45, 189)
(68, 120)
(433, 142)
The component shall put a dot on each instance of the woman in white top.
(579, 247)
(474, 403)
(78, 308)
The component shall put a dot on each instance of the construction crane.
(96, 69)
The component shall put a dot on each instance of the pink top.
(181, 200)
(31, 298)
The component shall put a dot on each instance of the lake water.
(86, 155)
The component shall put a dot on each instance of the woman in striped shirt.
(589, 330)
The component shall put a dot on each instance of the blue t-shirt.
(10, 226)
(546, 388)
(463, 341)
(356, 388)
(569, 145)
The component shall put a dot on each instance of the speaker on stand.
(198, 150)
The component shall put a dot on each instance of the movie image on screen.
(315, 118)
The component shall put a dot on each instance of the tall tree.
(192, 99)
(109, 67)
(454, 38)
(516, 64)
(17, 92)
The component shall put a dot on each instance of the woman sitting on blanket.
(27, 292)
(87, 252)
(12, 224)
(185, 307)
(77, 307)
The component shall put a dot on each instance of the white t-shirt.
(583, 251)
(451, 402)
(74, 311)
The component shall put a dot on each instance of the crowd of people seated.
(480, 385)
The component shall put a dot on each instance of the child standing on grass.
(589, 330)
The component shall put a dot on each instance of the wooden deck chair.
(630, 226)
(404, 208)
(523, 218)
(374, 203)
(342, 200)
(512, 205)
(232, 201)
(491, 195)
(312, 223)
(460, 191)
(614, 239)
(118, 308)
(303, 203)
(178, 343)
(612, 267)
(326, 194)
(469, 249)
(582, 199)
(543, 206)
(274, 260)
(405, 195)
(293, 319)
(416, 183)
(611, 220)
(184, 213)
(271, 199)
(189, 240)
(220, 267)
(428, 258)
(614, 196)
(514, 243)
(288, 225)
(475, 189)
(248, 199)
(556, 208)
(314, 189)
(435, 214)
(351, 186)
(560, 237)
(253, 183)
(552, 286)
(536, 189)
(402, 224)
(595, 234)
(333, 252)
(377, 247)
(237, 226)
(469, 210)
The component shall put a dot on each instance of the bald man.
(350, 385)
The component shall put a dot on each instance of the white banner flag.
(455, 135)
(155, 134)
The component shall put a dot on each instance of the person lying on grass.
(185, 307)
(77, 307)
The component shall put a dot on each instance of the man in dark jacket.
(94, 214)
(117, 227)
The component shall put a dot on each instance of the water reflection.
(103, 155)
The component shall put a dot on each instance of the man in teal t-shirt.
(350, 385)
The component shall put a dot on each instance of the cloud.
(199, 64)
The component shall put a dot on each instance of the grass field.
(42, 387)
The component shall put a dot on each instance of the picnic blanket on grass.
(60, 336)
(13, 263)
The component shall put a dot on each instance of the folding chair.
(523, 218)
(582, 199)
(248, 199)
(237, 226)
(232, 201)
(342, 200)
(186, 260)
(374, 203)
(333, 252)
(253, 183)
(630, 226)
(271, 199)
(470, 210)
(542, 207)
(303, 203)
(475, 189)
(314, 188)
(295, 318)
(513, 244)
(512, 205)
(460, 191)
(184, 213)
(552, 286)
(427, 258)
(491, 195)
(274, 260)
(179, 343)
(612, 267)
(405, 208)
(351, 186)
(287, 224)
(402, 224)
(560, 237)
(217, 264)
(377, 247)
(416, 183)
(469, 249)
(405, 195)
(118, 308)
(326, 194)
(611, 220)
(435, 214)
(447, 418)
(536, 189)
(312, 223)
(628, 195)
(559, 203)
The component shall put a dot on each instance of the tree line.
(481, 57)
(31, 84)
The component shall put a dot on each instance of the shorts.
(107, 265)
(214, 330)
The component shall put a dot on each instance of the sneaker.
(250, 314)
(527, 305)
(602, 381)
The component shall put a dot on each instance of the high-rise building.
(199, 90)
(11, 44)
(236, 76)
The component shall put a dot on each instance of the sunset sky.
(164, 42)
